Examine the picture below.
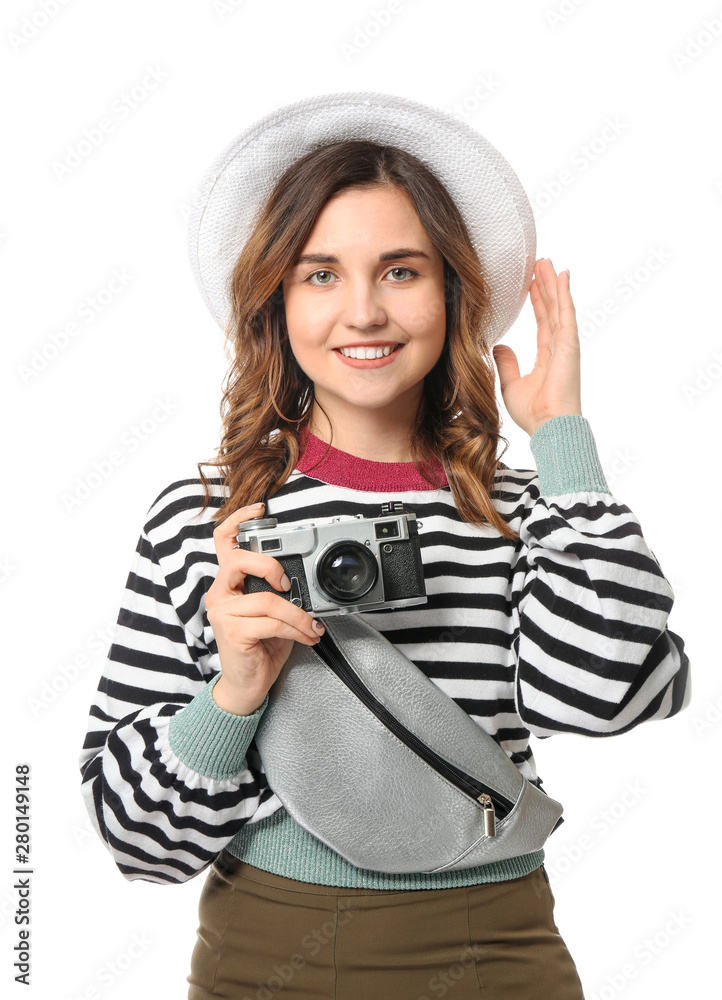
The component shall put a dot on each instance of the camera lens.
(346, 571)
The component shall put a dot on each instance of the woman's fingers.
(234, 565)
(224, 534)
(567, 309)
(539, 301)
(226, 593)
(553, 306)
(548, 290)
(273, 617)
(240, 563)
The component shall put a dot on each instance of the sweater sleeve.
(164, 771)
(594, 653)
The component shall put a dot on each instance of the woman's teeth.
(367, 353)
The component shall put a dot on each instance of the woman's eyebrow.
(322, 258)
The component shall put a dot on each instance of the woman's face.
(374, 278)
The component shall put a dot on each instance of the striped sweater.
(561, 631)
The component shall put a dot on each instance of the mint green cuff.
(209, 740)
(566, 456)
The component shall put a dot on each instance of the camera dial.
(258, 522)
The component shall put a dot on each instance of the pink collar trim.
(331, 465)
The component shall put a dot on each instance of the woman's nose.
(362, 303)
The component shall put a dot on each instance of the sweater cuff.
(566, 457)
(209, 740)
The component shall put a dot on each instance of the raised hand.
(552, 387)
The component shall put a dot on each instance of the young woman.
(362, 308)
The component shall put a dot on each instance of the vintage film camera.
(352, 564)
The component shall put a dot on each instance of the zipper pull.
(489, 815)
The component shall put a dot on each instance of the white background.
(541, 82)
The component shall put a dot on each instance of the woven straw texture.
(486, 190)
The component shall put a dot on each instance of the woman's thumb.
(506, 364)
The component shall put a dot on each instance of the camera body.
(350, 565)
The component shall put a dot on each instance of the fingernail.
(285, 582)
(254, 506)
(318, 626)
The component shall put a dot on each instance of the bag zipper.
(494, 803)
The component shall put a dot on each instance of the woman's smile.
(363, 359)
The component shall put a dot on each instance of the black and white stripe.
(562, 631)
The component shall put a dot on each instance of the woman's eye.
(314, 275)
(407, 269)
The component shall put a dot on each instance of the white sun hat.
(481, 182)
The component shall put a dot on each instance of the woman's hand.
(254, 632)
(552, 387)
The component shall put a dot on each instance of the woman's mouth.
(374, 362)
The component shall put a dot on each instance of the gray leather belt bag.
(376, 761)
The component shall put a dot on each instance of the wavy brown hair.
(268, 398)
